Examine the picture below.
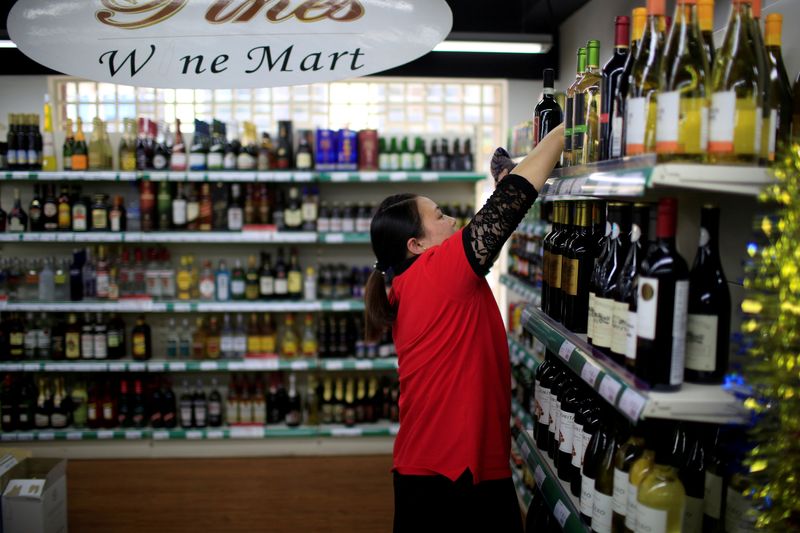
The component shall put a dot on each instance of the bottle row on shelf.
(111, 274)
(668, 91)
(632, 294)
(220, 146)
(229, 337)
(28, 404)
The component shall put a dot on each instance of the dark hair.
(396, 220)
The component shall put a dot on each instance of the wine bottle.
(586, 109)
(692, 475)
(613, 72)
(735, 116)
(576, 270)
(756, 43)
(629, 451)
(715, 486)
(780, 92)
(592, 461)
(570, 401)
(661, 498)
(560, 382)
(796, 109)
(602, 243)
(708, 327)
(587, 420)
(569, 105)
(641, 106)
(547, 114)
(545, 383)
(682, 123)
(623, 336)
(639, 469)
(705, 13)
(603, 497)
(538, 396)
(619, 216)
(557, 258)
(662, 301)
(618, 123)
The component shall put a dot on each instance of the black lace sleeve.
(491, 227)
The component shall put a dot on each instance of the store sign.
(226, 43)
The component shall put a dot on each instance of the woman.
(451, 456)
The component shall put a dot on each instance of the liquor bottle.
(178, 161)
(198, 154)
(586, 109)
(248, 154)
(115, 338)
(192, 209)
(569, 108)
(639, 470)
(585, 425)
(64, 210)
(708, 325)
(641, 106)
(17, 217)
(108, 408)
(186, 407)
(629, 451)
(692, 474)
(72, 338)
(233, 146)
(251, 278)
(662, 302)
(283, 153)
(226, 339)
(222, 282)
(219, 202)
(576, 270)
(238, 281)
(213, 339)
(80, 153)
(80, 214)
(294, 277)
(79, 400)
(290, 343)
(69, 145)
(124, 406)
(100, 338)
(570, 399)
(179, 209)
(49, 163)
(623, 339)
(99, 213)
(214, 405)
(603, 496)
(705, 13)
(613, 72)
(547, 114)
(263, 207)
(265, 153)
(737, 94)
(147, 205)
(756, 42)
(304, 159)
(608, 277)
(207, 282)
(235, 212)
(281, 277)
(559, 249)
(205, 216)
(127, 146)
(544, 381)
(560, 379)
(35, 210)
(780, 90)
(96, 159)
(141, 340)
(310, 208)
(117, 217)
(12, 142)
(682, 123)
(294, 412)
(3, 219)
(216, 150)
(293, 214)
(44, 406)
(715, 483)
(164, 206)
(661, 498)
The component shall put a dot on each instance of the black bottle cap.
(549, 78)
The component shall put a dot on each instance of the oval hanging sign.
(213, 44)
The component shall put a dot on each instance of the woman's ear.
(414, 246)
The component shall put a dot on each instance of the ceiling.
(517, 16)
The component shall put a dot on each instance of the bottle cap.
(705, 12)
(774, 29)
(667, 218)
(549, 76)
(656, 7)
(623, 30)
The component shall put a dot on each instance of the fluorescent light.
(7, 44)
(485, 47)
(496, 43)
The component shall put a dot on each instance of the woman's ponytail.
(379, 313)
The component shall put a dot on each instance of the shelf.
(531, 294)
(626, 393)
(556, 493)
(144, 305)
(246, 365)
(536, 228)
(520, 354)
(221, 237)
(344, 238)
(632, 176)
(523, 492)
(222, 433)
(249, 176)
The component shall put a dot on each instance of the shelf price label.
(346, 432)
(398, 176)
(46, 435)
(561, 513)
(194, 435)
(540, 476)
(215, 434)
(133, 435)
(609, 389)
(364, 365)
(589, 373)
(105, 435)
(75, 435)
(632, 404)
(207, 366)
(161, 435)
(565, 352)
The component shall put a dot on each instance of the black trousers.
(436, 504)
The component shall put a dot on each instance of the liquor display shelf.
(526, 290)
(523, 492)
(556, 493)
(221, 433)
(632, 176)
(247, 365)
(518, 353)
(145, 305)
(249, 176)
(199, 237)
(626, 393)
(536, 228)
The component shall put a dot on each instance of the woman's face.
(436, 225)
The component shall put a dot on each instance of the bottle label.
(207, 289)
(235, 218)
(226, 344)
(245, 161)
(237, 287)
(647, 307)
(772, 131)
(267, 286)
(103, 282)
(693, 515)
(543, 405)
(240, 345)
(41, 421)
(619, 327)
(281, 286)
(223, 284)
(701, 342)
(87, 346)
(215, 160)
(649, 520)
(636, 125)
(268, 344)
(603, 318)
(178, 160)
(304, 160)
(100, 346)
(108, 411)
(553, 414)
(186, 416)
(160, 162)
(631, 332)
(587, 495)
(214, 409)
(712, 501)
(679, 332)
(681, 124)
(295, 282)
(73, 342)
(616, 136)
(309, 211)
(197, 161)
(555, 271)
(139, 345)
(565, 429)
(179, 212)
(602, 505)
(620, 492)
(113, 339)
(577, 445)
(569, 276)
(232, 411)
(591, 317)
(631, 516)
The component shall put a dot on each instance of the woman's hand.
(501, 165)
(540, 162)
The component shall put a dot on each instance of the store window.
(402, 106)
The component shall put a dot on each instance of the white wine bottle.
(682, 123)
(735, 117)
(568, 108)
(586, 110)
(756, 40)
(641, 106)
(639, 16)
(780, 90)
(705, 12)
(661, 498)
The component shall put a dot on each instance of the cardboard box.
(35, 499)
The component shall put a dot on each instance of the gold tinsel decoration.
(770, 355)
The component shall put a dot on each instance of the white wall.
(522, 98)
(20, 94)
